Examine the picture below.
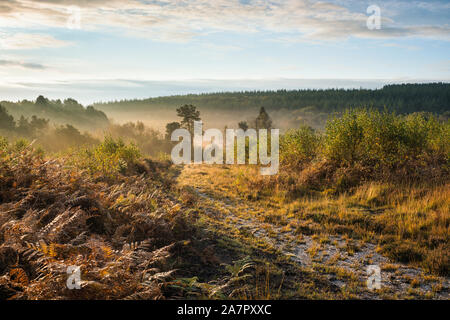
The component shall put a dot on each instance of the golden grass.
(409, 222)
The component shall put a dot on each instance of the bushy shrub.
(298, 147)
(3, 144)
(343, 138)
(149, 141)
(435, 134)
(20, 145)
(109, 158)
(385, 141)
(365, 145)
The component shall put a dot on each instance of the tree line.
(401, 98)
(64, 112)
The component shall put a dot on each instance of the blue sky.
(136, 49)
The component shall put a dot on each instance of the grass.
(409, 223)
(342, 221)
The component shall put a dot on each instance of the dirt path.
(342, 261)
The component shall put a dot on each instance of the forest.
(288, 108)
(59, 112)
(402, 98)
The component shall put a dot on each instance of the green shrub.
(20, 145)
(3, 144)
(298, 147)
(366, 145)
(385, 140)
(344, 137)
(109, 158)
(147, 139)
(438, 137)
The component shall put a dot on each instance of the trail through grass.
(339, 259)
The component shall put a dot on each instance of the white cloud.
(29, 41)
(182, 20)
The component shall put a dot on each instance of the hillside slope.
(405, 98)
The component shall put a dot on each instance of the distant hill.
(403, 98)
(64, 112)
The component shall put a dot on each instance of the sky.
(100, 50)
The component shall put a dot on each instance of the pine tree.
(263, 121)
(189, 113)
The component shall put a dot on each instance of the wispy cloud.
(182, 20)
(29, 41)
(401, 46)
(20, 64)
(221, 39)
